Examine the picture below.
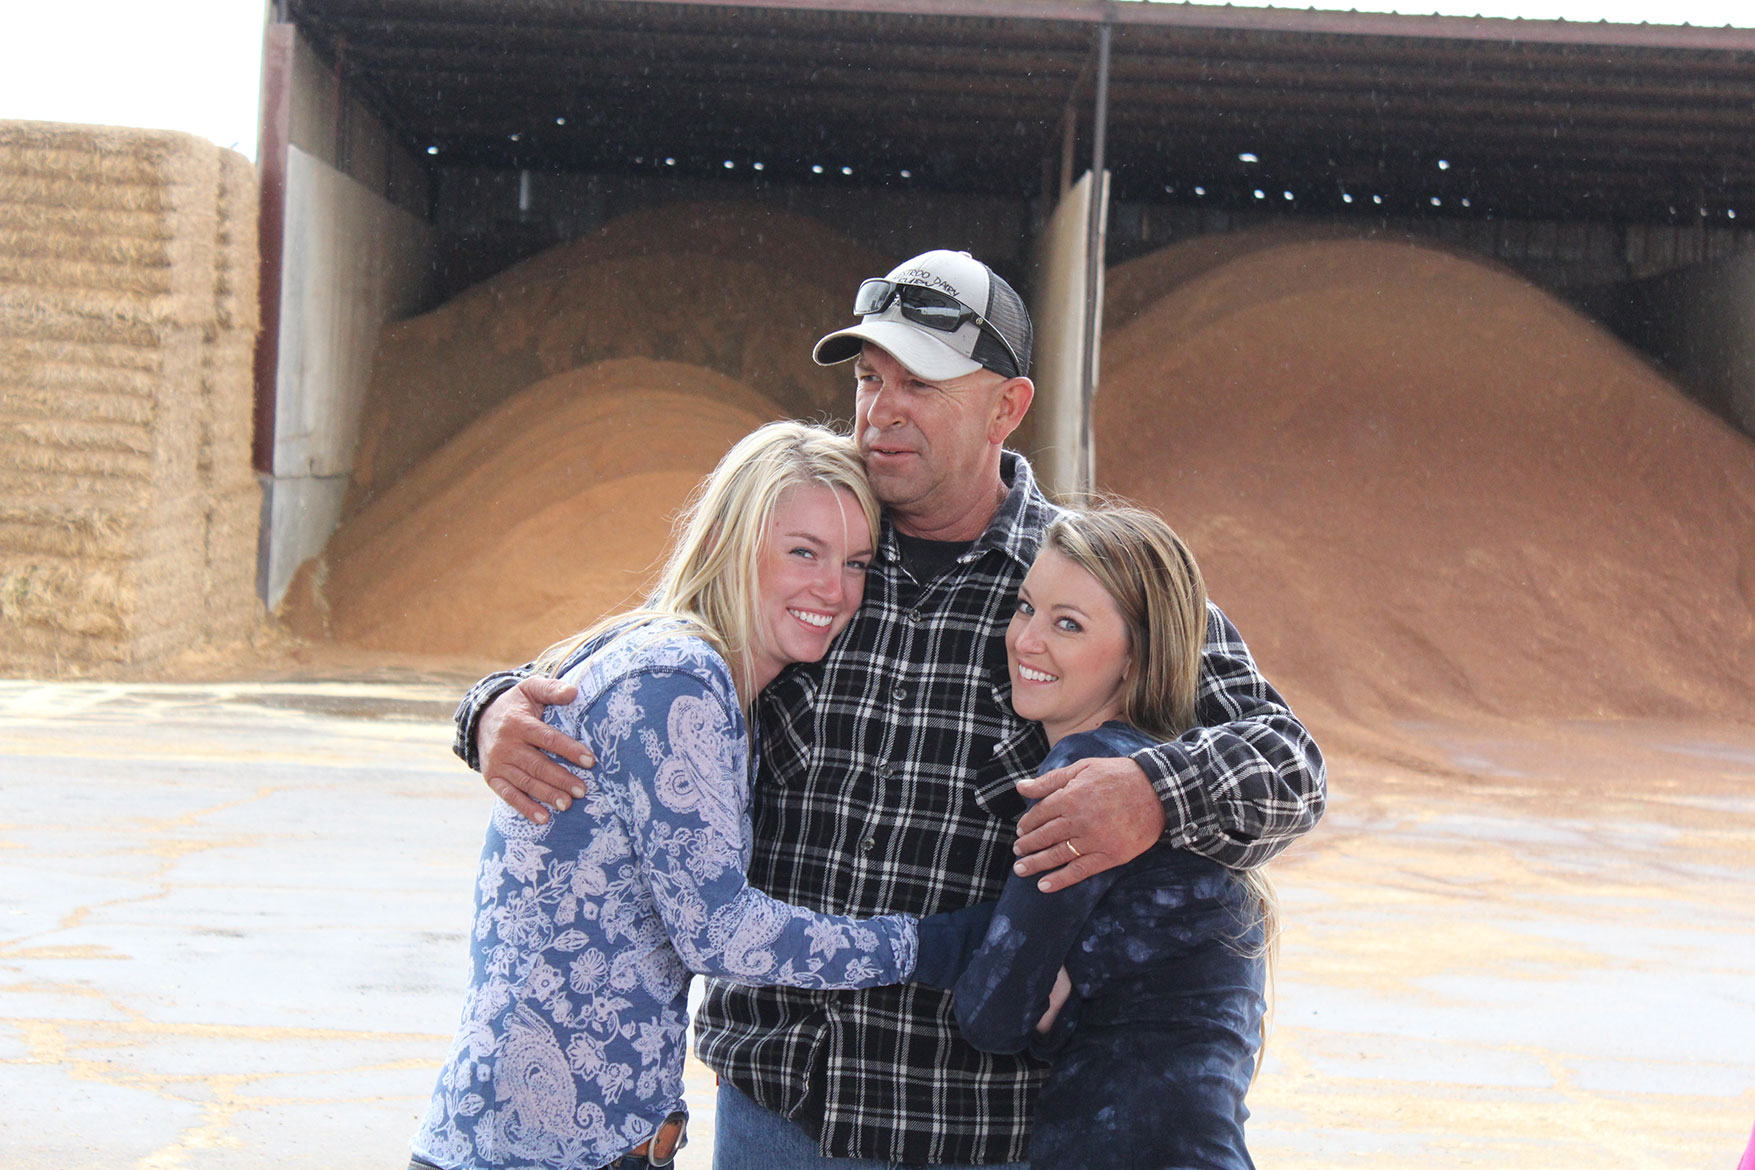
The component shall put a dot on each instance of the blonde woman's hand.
(514, 743)
(1090, 816)
(1056, 1000)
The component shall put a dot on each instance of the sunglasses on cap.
(927, 307)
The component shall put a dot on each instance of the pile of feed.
(1132, 287)
(545, 513)
(1422, 486)
(742, 289)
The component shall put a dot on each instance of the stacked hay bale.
(1421, 485)
(128, 315)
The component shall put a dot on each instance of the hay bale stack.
(741, 289)
(545, 513)
(128, 315)
(1422, 485)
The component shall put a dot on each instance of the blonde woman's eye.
(1069, 625)
(1024, 608)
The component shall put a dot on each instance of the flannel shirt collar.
(1016, 528)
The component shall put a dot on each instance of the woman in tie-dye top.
(1165, 957)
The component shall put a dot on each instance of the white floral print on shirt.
(587, 929)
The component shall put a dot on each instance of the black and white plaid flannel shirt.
(887, 784)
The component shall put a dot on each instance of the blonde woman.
(588, 927)
(1166, 956)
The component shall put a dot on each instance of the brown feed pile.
(1132, 287)
(741, 289)
(1421, 485)
(128, 506)
(545, 513)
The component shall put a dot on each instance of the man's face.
(929, 447)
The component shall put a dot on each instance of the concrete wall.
(353, 257)
(352, 261)
(1700, 323)
(128, 316)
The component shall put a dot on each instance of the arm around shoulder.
(500, 732)
(1249, 780)
(466, 720)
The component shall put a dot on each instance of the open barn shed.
(415, 148)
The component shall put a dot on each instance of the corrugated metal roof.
(1536, 119)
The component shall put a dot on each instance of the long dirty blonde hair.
(709, 581)
(1156, 583)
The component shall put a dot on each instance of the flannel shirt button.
(867, 845)
(900, 694)
(887, 772)
(913, 617)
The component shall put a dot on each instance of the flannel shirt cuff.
(1189, 813)
(467, 718)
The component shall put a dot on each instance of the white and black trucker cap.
(995, 333)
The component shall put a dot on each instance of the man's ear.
(1009, 405)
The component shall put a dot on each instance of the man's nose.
(881, 406)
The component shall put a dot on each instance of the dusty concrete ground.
(231, 935)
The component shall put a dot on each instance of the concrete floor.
(231, 935)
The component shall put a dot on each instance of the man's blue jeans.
(749, 1137)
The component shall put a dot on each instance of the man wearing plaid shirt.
(894, 771)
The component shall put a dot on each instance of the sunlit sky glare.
(195, 65)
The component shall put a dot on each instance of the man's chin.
(894, 496)
(889, 483)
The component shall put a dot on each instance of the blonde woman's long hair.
(1157, 585)
(709, 581)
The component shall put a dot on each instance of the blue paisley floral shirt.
(570, 1050)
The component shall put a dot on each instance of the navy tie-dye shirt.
(1157, 915)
